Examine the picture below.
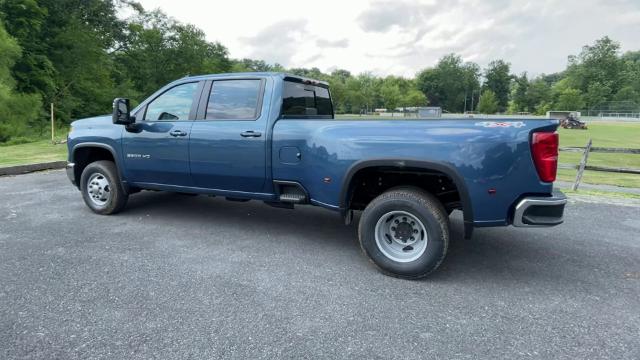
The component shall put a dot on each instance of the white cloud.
(342, 43)
(278, 42)
(401, 37)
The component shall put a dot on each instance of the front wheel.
(101, 188)
(405, 232)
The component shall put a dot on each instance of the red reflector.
(544, 149)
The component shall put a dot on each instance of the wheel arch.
(90, 152)
(444, 168)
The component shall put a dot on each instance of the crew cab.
(273, 137)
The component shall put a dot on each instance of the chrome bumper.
(70, 173)
(540, 211)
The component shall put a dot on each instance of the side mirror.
(121, 115)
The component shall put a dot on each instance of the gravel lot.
(179, 277)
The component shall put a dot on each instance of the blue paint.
(214, 158)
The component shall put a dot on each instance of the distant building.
(562, 114)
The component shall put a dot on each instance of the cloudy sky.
(401, 37)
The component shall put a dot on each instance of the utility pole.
(53, 140)
(472, 92)
(465, 100)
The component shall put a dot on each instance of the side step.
(291, 192)
(293, 197)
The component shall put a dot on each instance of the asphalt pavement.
(182, 277)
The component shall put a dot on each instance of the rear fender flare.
(444, 168)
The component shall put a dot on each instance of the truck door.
(156, 149)
(228, 142)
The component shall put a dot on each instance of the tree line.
(79, 55)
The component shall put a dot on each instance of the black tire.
(118, 196)
(419, 204)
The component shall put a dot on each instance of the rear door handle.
(250, 133)
(176, 133)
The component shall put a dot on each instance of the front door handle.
(176, 133)
(250, 133)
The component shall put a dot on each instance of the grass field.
(603, 134)
(31, 153)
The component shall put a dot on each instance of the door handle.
(250, 133)
(176, 133)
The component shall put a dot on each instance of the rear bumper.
(540, 211)
(71, 173)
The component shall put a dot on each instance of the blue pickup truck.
(273, 137)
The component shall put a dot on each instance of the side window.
(174, 104)
(234, 100)
(300, 100)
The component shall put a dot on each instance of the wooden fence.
(585, 156)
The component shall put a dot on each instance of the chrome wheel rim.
(98, 189)
(401, 236)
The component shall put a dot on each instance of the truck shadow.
(501, 254)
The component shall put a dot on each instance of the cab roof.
(281, 75)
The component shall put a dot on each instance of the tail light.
(544, 149)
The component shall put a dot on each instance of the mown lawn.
(603, 134)
(31, 153)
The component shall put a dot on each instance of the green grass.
(31, 153)
(615, 195)
(603, 134)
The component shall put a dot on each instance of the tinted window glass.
(174, 104)
(305, 100)
(234, 100)
(323, 101)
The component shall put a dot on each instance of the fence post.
(583, 164)
(53, 139)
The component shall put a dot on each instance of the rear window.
(303, 100)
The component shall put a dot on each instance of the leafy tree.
(250, 65)
(65, 59)
(520, 94)
(338, 87)
(498, 80)
(539, 92)
(414, 97)
(597, 64)
(366, 90)
(391, 95)
(597, 93)
(627, 93)
(160, 49)
(543, 107)
(33, 71)
(17, 110)
(447, 84)
(355, 101)
(631, 72)
(313, 73)
(569, 99)
(488, 103)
